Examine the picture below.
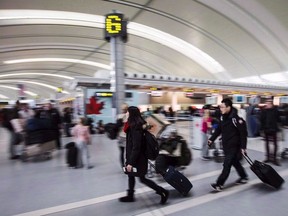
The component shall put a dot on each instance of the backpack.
(151, 145)
(186, 154)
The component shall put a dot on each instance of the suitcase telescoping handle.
(154, 167)
(248, 159)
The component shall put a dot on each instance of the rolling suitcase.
(72, 155)
(176, 179)
(111, 130)
(265, 173)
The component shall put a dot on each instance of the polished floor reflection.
(50, 188)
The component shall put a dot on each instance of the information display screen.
(115, 25)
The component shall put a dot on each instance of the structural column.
(116, 34)
(117, 73)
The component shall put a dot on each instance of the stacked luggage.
(174, 152)
(39, 143)
(157, 124)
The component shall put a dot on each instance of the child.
(82, 139)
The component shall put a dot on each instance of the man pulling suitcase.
(234, 142)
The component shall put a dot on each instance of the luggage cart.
(218, 153)
(39, 143)
(158, 125)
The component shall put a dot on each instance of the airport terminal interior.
(87, 58)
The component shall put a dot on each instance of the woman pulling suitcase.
(136, 161)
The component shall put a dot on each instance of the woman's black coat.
(135, 154)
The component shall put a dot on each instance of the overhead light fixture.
(41, 74)
(3, 97)
(275, 77)
(271, 79)
(35, 83)
(10, 17)
(76, 61)
(17, 89)
(45, 85)
(176, 44)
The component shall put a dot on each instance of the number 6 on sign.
(113, 24)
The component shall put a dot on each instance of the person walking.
(82, 140)
(234, 141)
(67, 121)
(206, 128)
(136, 161)
(121, 139)
(269, 124)
(53, 114)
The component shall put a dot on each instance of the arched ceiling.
(235, 40)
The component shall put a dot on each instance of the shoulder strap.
(234, 121)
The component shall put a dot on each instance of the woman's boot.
(164, 195)
(129, 197)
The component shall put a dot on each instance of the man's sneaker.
(205, 158)
(242, 181)
(216, 187)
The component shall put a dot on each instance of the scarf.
(126, 127)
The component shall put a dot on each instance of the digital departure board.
(115, 26)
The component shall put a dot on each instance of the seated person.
(173, 152)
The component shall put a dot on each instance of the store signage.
(104, 94)
(155, 89)
(156, 93)
(188, 90)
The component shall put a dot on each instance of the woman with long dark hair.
(136, 161)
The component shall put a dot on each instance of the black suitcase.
(111, 130)
(265, 173)
(71, 155)
(176, 180)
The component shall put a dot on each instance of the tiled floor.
(50, 188)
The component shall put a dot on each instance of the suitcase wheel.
(47, 155)
(284, 154)
(24, 157)
(184, 194)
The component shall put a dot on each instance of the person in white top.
(121, 139)
(82, 138)
(26, 112)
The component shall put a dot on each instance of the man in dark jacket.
(269, 124)
(234, 140)
(53, 115)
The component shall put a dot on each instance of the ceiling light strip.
(76, 61)
(41, 74)
(175, 43)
